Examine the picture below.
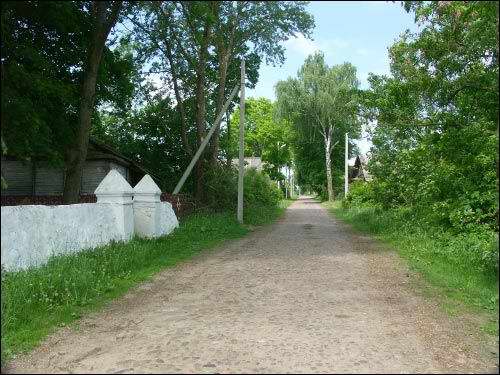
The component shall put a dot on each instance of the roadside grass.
(444, 259)
(37, 301)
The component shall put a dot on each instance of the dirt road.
(304, 295)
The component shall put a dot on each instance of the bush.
(260, 189)
(360, 194)
(222, 189)
(221, 185)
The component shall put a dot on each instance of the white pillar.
(116, 192)
(152, 218)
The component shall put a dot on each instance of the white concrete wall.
(32, 234)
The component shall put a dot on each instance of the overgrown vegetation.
(37, 301)
(462, 266)
(434, 159)
(222, 189)
(166, 70)
(322, 103)
(434, 193)
(435, 144)
(266, 136)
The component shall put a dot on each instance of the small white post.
(242, 144)
(152, 217)
(346, 184)
(117, 192)
(146, 207)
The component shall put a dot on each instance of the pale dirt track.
(304, 295)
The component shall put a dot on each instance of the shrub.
(360, 194)
(221, 185)
(260, 189)
(222, 189)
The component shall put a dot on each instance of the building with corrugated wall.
(38, 178)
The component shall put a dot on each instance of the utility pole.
(242, 144)
(346, 184)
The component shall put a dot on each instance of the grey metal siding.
(18, 176)
(93, 173)
(49, 180)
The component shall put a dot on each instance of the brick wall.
(183, 204)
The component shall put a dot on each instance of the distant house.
(250, 162)
(359, 171)
(40, 179)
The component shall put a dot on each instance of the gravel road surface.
(304, 295)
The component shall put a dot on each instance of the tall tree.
(200, 46)
(105, 15)
(43, 50)
(262, 25)
(321, 100)
(437, 116)
(266, 136)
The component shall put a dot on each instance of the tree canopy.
(42, 54)
(266, 136)
(322, 103)
(435, 138)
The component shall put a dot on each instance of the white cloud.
(306, 47)
(302, 45)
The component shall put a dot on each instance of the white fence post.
(147, 208)
(152, 217)
(116, 192)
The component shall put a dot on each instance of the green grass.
(452, 264)
(36, 301)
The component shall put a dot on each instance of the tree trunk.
(77, 153)
(328, 163)
(180, 103)
(498, 118)
(200, 131)
(214, 149)
(201, 108)
(228, 122)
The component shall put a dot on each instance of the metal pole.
(204, 142)
(346, 184)
(242, 144)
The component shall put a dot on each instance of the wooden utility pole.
(242, 144)
(346, 183)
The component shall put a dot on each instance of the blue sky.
(355, 31)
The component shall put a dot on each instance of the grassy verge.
(445, 260)
(36, 301)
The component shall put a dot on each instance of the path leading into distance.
(304, 295)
